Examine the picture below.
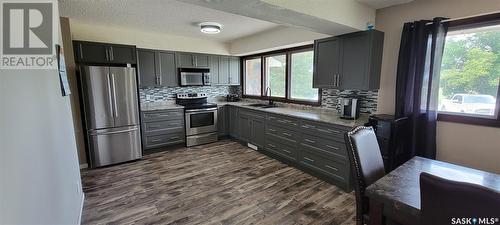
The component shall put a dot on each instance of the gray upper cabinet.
(326, 62)
(167, 69)
(350, 61)
(192, 60)
(214, 69)
(234, 71)
(224, 70)
(146, 63)
(228, 71)
(156, 68)
(95, 52)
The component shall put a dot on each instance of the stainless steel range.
(200, 118)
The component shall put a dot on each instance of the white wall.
(347, 12)
(473, 146)
(39, 173)
(277, 38)
(93, 32)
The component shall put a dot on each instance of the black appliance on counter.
(393, 136)
(232, 98)
(200, 118)
(349, 108)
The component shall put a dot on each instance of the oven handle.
(200, 110)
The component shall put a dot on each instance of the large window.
(253, 77)
(286, 76)
(301, 76)
(470, 72)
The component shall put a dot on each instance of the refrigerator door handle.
(94, 133)
(111, 105)
(115, 112)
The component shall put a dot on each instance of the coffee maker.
(349, 108)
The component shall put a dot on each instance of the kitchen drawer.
(252, 114)
(278, 148)
(324, 146)
(283, 120)
(165, 126)
(332, 168)
(326, 130)
(162, 115)
(154, 141)
(283, 134)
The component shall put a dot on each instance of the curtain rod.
(468, 17)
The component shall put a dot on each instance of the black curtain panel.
(417, 82)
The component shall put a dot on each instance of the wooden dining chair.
(367, 166)
(441, 200)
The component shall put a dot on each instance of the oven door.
(191, 79)
(199, 121)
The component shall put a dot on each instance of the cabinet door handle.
(331, 167)
(111, 56)
(287, 151)
(335, 80)
(310, 141)
(338, 80)
(287, 134)
(107, 55)
(329, 146)
(272, 146)
(273, 130)
(309, 159)
(81, 51)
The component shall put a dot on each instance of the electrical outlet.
(149, 97)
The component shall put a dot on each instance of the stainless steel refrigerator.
(111, 114)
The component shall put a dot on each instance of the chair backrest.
(366, 163)
(441, 200)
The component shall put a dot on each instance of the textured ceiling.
(378, 4)
(164, 16)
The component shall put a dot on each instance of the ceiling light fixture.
(210, 27)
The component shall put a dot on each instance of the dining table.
(396, 196)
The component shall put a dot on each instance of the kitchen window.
(470, 74)
(253, 77)
(288, 73)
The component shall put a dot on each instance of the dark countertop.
(401, 187)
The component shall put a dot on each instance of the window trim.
(467, 23)
(287, 52)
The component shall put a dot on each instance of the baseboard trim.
(84, 166)
(81, 210)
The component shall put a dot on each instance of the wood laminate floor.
(218, 183)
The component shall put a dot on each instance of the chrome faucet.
(268, 94)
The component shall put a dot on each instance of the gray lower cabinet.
(252, 127)
(234, 129)
(223, 121)
(156, 68)
(350, 61)
(315, 147)
(162, 128)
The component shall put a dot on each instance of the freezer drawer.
(110, 146)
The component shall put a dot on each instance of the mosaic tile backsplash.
(160, 94)
(329, 99)
(367, 99)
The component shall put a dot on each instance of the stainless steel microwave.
(194, 77)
